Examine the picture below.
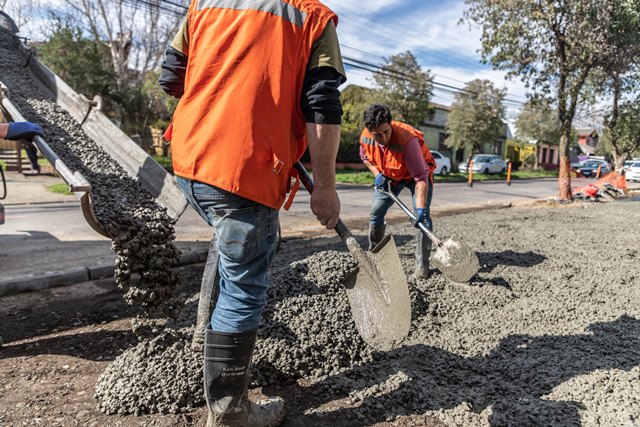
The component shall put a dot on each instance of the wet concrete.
(547, 332)
(141, 230)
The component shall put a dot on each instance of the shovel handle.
(412, 217)
(340, 228)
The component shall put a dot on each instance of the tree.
(404, 87)
(84, 64)
(355, 100)
(476, 117)
(136, 32)
(539, 122)
(20, 11)
(627, 131)
(553, 46)
(620, 74)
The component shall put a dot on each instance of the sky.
(372, 30)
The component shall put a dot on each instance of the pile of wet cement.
(548, 332)
(142, 231)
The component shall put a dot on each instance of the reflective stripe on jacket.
(390, 161)
(239, 125)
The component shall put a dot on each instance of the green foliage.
(539, 122)
(627, 130)
(84, 64)
(554, 47)
(133, 104)
(404, 87)
(530, 160)
(476, 116)
(59, 188)
(355, 100)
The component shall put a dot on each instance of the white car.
(443, 164)
(633, 172)
(485, 163)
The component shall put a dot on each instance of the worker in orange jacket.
(258, 83)
(397, 156)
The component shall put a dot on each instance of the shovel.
(454, 259)
(377, 289)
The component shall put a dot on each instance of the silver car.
(486, 163)
(443, 164)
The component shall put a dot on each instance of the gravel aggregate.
(141, 230)
(547, 333)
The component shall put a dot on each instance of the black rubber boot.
(423, 252)
(376, 234)
(227, 363)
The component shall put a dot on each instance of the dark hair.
(376, 115)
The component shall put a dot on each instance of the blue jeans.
(246, 234)
(382, 203)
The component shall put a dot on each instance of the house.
(434, 128)
(588, 139)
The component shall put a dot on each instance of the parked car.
(633, 172)
(486, 163)
(443, 164)
(590, 168)
(577, 166)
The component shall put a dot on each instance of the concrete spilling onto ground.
(548, 332)
(142, 232)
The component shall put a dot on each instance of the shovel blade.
(379, 300)
(456, 261)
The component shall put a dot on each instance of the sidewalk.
(41, 248)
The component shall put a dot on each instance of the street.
(49, 237)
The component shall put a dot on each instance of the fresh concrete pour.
(547, 333)
(142, 232)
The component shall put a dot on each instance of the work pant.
(32, 153)
(382, 203)
(246, 234)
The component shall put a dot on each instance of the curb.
(15, 285)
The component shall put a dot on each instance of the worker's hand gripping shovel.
(377, 289)
(454, 259)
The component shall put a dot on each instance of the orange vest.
(390, 161)
(239, 125)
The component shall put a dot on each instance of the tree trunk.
(564, 175)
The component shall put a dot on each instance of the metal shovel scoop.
(377, 289)
(454, 259)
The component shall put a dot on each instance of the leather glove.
(381, 181)
(23, 130)
(420, 216)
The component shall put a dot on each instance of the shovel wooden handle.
(340, 228)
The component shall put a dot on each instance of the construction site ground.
(546, 334)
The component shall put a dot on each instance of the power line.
(352, 62)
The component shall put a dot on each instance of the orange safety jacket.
(390, 161)
(239, 125)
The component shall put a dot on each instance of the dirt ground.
(548, 333)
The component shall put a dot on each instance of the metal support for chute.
(78, 184)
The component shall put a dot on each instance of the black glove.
(23, 130)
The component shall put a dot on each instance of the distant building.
(588, 139)
(434, 128)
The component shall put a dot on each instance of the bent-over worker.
(396, 154)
